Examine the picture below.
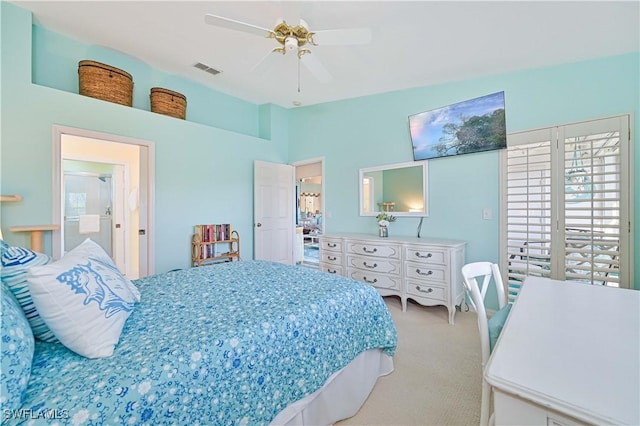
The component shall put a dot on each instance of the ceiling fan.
(298, 40)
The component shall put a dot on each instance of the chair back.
(477, 277)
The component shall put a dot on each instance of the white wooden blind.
(566, 204)
(528, 207)
(592, 202)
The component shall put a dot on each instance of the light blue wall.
(55, 64)
(204, 173)
(204, 166)
(373, 130)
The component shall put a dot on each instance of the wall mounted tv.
(462, 128)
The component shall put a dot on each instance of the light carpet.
(437, 374)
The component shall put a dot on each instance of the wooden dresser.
(425, 270)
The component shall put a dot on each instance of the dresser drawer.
(376, 280)
(418, 271)
(331, 244)
(425, 255)
(390, 251)
(331, 269)
(429, 291)
(374, 264)
(331, 257)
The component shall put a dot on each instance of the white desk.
(568, 354)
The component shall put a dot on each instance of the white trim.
(568, 123)
(148, 166)
(425, 187)
(631, 225)
(502, 237)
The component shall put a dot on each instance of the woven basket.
(168, 102)
(105, 82)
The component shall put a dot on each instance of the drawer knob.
(418, 254)
(332, 257)
(419, 272)
(331, 272)
(429, 290)
(375, 265)
(332, 245)
(375, 280)
(369, 251)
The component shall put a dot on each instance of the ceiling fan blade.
(232, 24)
(342, 37)
(266, 63)
(314, 65)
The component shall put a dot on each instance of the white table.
(311, 239)
(568, 354)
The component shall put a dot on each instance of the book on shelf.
(207, 251)
(213, 232)
(214, 243)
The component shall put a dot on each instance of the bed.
(248, 342)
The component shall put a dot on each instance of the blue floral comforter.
(226, 344)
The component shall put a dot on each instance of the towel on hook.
(89, 223)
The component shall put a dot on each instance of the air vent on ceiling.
(207, 68)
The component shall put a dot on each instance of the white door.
(273, 212)
(142, 200)
(120, 224)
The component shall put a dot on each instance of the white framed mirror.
(400, 189)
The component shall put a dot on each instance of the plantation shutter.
(527, 196)
(595, 224)
(566, 205)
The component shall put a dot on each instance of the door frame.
(322, 186)
(147, 185)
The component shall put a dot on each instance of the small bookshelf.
(214, 243)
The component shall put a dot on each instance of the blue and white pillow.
(16, 352)
(84, 299)
(16, 261)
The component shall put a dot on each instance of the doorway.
(309, 210)
(88, 210)
(120, 218)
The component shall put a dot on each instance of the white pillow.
(84, 299)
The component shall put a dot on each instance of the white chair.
(472, 273)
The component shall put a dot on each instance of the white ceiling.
(415, 43)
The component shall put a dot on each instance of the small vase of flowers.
(384, 220)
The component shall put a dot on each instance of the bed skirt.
(342, 395)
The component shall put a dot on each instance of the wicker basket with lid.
(105, 82)
(168, 102)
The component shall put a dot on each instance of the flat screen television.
(462, 128)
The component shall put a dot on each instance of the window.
(566, 204)
(76, 204)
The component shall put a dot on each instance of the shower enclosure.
(88, 209)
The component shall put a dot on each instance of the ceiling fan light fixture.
(296, 38)
(291, 43)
